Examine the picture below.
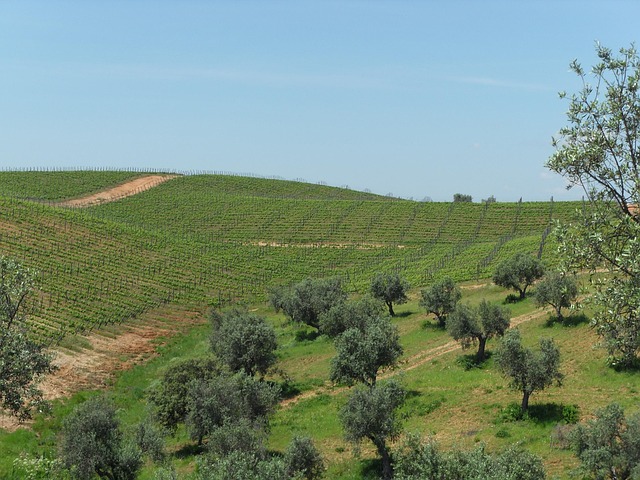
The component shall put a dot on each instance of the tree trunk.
(523, 292)
(383, 451)
(391, 312)
(482, 343)
(559, 313)
(525, 401)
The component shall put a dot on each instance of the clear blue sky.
(416, 98)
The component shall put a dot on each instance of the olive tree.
(92, 443)
(350, 314)
(599, 152)
(23, 360)
(390, 288)
(528, 370)
(441, 299)
(418, 459)
(469, 325)
(609, 445)
(372, 413)
(245, 342)
(362, 352)
(225, 399)
(558, 290)
(169, 396)
(518, 272)
(305, 301)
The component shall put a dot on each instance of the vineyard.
(207, 240)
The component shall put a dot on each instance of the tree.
(469, 325)
(528, 370)
(609, 445)
(558, 290)
(460, 197)
(418, 459)
(350, 314)
(244, 341)
(92, 443)
(225, 399)
(361, 353)
(518, 273)
(390, 288)
(307, 300)
(169, 397)
(371, 413)
(441, 299)
(23, 361)
(598, 151)
(303, 460)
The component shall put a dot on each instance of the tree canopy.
(558, 290)
(305, 301)
(390, 288)
(23, 361)
(478, 324)
(372, 413)
(441, 299)
(518, 272)
(608, 446)
(362, 352)
(245, 342)
(528, 370)
(350, 314)
(599, 151)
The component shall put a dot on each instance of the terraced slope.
(209, 240)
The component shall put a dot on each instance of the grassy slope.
(117, 261)
(203, 240)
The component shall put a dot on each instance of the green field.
(201, 241)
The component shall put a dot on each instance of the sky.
(411, 98)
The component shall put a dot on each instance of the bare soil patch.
(94, 367)
(127, 189)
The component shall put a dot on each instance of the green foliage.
(92, 443)
(361, 353)
(349, 314)
(307, 300)
(599, 151)
(558, 290)
(169, 397)
(61, 185)
(571, 414)
(26, 467)
(244, 341)
(421, 460)
(518, 272)
(460, 197)
(528, 371)
(441, 299)
(390, 288)
(468, 324)
(149, 439)
(303, 460)
(241, 466)
(372, 413)
(219, 400)
(23, 361)
(609, 445)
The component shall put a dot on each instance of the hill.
(214, 239)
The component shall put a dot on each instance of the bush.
(303, 459)
(570, 414)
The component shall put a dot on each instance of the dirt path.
(127, 189)
(408, 364)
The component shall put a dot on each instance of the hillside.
(213, 239)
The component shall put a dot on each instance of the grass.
(202, 241)
(458, 407)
